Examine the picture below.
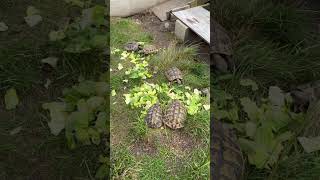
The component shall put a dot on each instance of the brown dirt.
(162, 39)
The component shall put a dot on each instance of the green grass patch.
(197, 166)
(181, 57)
(126, 30)
(270, 64)
(123, 163)
(154, 168)
(199, 126)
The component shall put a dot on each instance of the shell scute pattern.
(174, 74)
(227, 161)
(175, 115)
(131, 46)
(154, 116)
(149, 49)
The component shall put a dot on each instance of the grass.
(167, 160)
(272, 19)
(180, 57)
(124, 31)
(274, 44)
(124, 164)
(199, 126)
(270, 64)
(34, 153)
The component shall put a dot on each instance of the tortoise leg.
(178, 81)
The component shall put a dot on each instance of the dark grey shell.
(154, 117)
(303, 95)
(149, 49)
(173, 74)
(221, 40)
(131, 46)
(227, 161)
(175, 115)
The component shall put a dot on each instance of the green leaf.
(94, 136)
(33, 20)
(220, 114)
(120, 66)
(98, 15)
(102, 172)
(83, 136)
(249, 82)
(52, 61)
(15, 130)
(31, 10)
(58, 116)
(86, 88)
(276, 96)
(3, 27)
(113, 93)
(11, 99)
(100, 41)
(247, 145)
(250, 108)
(101, 123)
(265, 137)
(102, 89)
(56, 35)
(251, 128)
(311, 144)
(95, 102)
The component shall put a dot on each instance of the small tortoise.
(221, 49)
(132, 46)
(149, 49)
(154, 116)
(174, 75)
(175, 115)
(227, 162)
(304, 95)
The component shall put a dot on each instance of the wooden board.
(162, 11)
(197, 19)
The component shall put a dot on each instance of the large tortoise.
(174, 75)
(154, 116)
(175, 115)
(221, 49)
(149, 49)
(227, 162)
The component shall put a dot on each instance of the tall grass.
(282, 22)
(270, 64)
(179, 56)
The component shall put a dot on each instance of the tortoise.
(149, 49)
(132, 46)
(174, 75)
(175, 115)
(221, 50)
(154, 116)
(227, 161)
(303, 95)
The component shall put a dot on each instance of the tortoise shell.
(227, 161)
(149, 49)
(131, 46)
(175, 115)
(174, 74)
(303, 95)
(222, 42)
(154, 116)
